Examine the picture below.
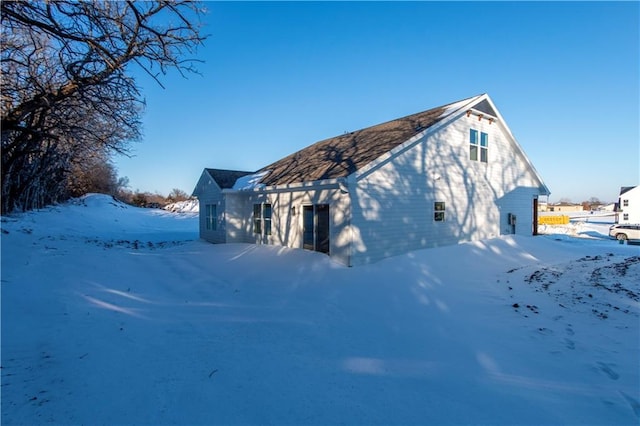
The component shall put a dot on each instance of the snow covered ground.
(119, 315)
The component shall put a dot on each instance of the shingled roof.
(226, 178)
(342, 155)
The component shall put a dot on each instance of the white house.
(443, 176)
(628, 207)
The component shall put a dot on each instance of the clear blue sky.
(280, 76)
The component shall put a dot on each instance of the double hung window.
(266, 218)
(438, 211)
(257, 218)
(262, 219)
(211, 217)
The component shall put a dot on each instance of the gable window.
(478, 147)
(625, 203)
(473, 145)
(262, 219)
(438, 211)
(484, 147)
(211, 217)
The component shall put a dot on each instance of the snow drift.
(118, 315)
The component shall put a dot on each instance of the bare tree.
(94, 173)
(177, 194)
(67, 96)
(565, 200)
(592, 204)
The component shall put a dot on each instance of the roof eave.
(324, 183)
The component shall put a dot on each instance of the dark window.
(257, 218)
(266, 215)
(316, 226)
(438, 211)
(262, 219)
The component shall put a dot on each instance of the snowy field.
(119, 315)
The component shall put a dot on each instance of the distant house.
(608, 207)
(565, 207)
(628, 206)
(450, 174)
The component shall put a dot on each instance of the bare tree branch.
(65, 91)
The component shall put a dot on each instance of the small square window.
(625, 203)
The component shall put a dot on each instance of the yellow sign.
(553, 220)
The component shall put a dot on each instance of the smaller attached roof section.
(226, 178)
(342, 155)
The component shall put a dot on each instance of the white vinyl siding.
(286, 217)
(390, 204)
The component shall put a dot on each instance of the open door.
(315, 228)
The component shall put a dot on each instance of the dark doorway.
(535, 216)
(322, 228)
(315, 228)
(307, 228)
